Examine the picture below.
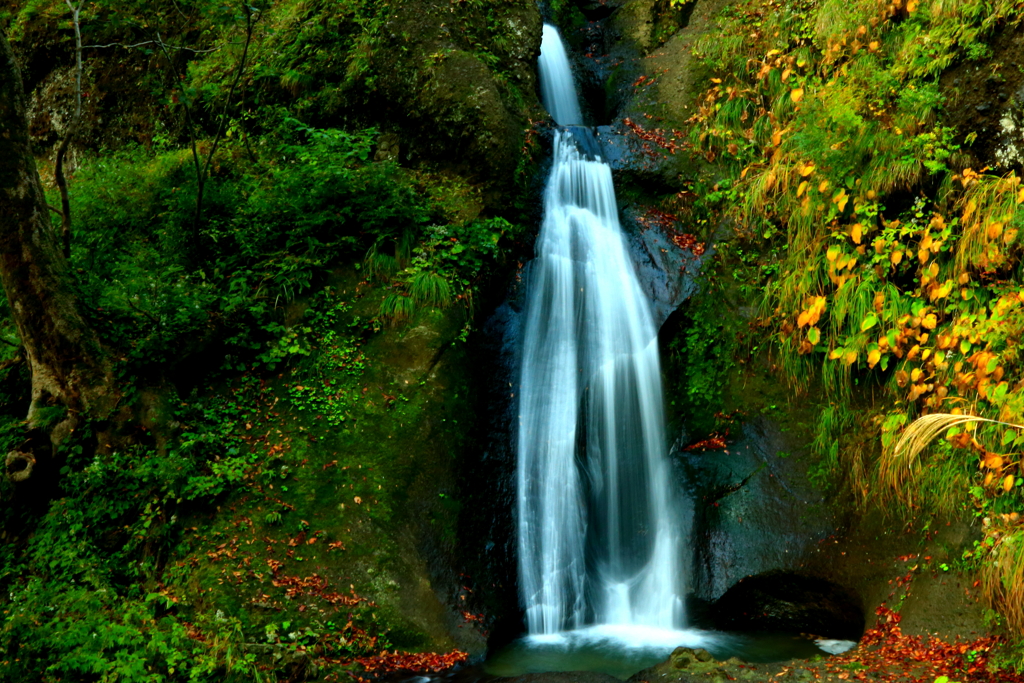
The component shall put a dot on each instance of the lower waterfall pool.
(622, 651)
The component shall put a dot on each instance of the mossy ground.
(369, 506)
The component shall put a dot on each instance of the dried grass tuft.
(1002, 576)
(900, 467)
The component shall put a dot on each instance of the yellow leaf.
(851, 357)
(989, 477)
(776, 138)
(801, 320)
(873, 45)
(1020, 196)
(855, 232)
(822, 186)
(806, 170)
(941, 292)
(929, 321)
(816, 309)
(994, 230)
(1008, 483)
(993, 462)
(923, 255)
(896, 257)
(911, 6)
(915, 374)
(835, 353)
(800, 189)
(842, 202)
(969, 209)
(1009, 236)
(716, 80)
(786, 74)
(873, 357)
(796, 94)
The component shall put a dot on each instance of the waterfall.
(598, 540)
(557, 90)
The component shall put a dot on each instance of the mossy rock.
(459, 84)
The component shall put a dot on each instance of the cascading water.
(600, 545)
(598, 540)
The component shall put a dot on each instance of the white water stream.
(599, 543)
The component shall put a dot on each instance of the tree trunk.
(70, 369)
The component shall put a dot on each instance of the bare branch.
(234, 84)
(200, 176)
(158, 43)
(145, 313)
(62, 183)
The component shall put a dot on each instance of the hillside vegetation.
(883, 218)
(282, 217)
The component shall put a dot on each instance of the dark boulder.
(785, 601)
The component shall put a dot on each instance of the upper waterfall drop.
(599, 541)
(557, 90)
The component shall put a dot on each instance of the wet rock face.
(986, 97)
(667, 273)
(790, 602)
(754, 508)
(1009, 151)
